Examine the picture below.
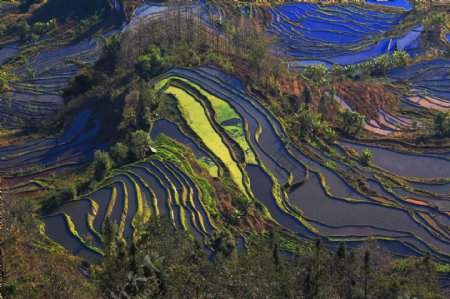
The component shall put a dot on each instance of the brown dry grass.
(367, 98)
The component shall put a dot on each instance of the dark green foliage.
(442, 124)
(366, 156)
(79, 84)
(119, 153)
(316, 73)
(58, 197)
(150, 64)
(148, 103)
(139, 145)
(434, 26)
(22, 29)
(307, 97)
(379, 66)
(166, 263)
(352, 121)
(102, 165)
(109, 59)
(5, 77)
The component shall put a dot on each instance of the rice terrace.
(224, 149)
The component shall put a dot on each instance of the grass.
(224, 112)
(210, 166)
(197, 120)
(123, 217)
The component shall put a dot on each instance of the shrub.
(140, 142)
(400, 59)
(366, 156)
(58, 197)
(442, 124)
(43, 27)
(22, 29)
(102, 165)
(352, 121)
(119, 153)
(5, 77)
(329, 135)
(151, 64)
(308, 122)
(381, 65)
(148, 103)
(316, 73)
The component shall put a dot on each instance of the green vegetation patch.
(196, 118)
(224, 113)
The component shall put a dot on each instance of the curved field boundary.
(342, 34)
(196, 118)
(173, 131)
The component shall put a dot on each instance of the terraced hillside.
(430, 82)
(35, 93)
(201, 122)
(232, 135)
(37, 158)
(309, 33)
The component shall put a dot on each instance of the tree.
(401, 59)
(310, 123)
(381, 65)
(5, 77)
(352, 121)
(329, 135)
(148, 103)
(140, 142)
(102, 165)
(119, 153)
(3, 29)
(151, 64)
(22, 29)
(109, 60)
(442, 124)
(316, 73)
(366, 156)
(307, 97)
(434, 26)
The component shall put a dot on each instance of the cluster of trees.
(435, 26)
(352, 121)
(380, 65)
(166, 263)
(27, 32)
(312, 125)
(181, 38)
(136, 148)
(150, 64)
(320, 75)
